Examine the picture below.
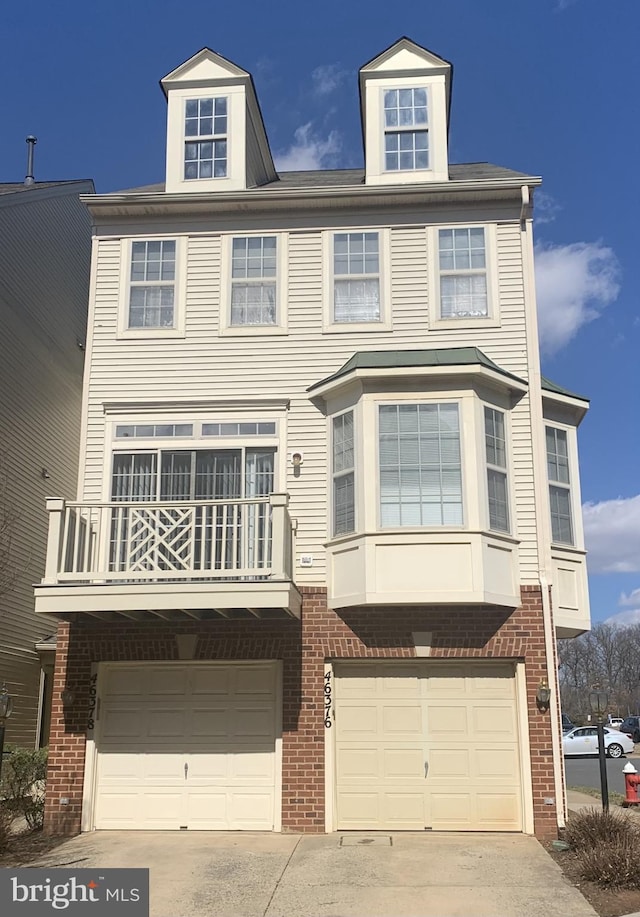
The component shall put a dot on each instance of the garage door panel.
(203, 759)
(460, 719)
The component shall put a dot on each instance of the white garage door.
(187, 745)
(427, 746)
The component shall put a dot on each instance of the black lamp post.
(6, 706)
(599, 701)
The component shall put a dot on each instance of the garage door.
(427, 746)
(187, 746)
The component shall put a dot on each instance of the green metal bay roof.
(407, 359)
(550, 386)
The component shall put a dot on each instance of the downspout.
(541, 499)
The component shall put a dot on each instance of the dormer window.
(406, 136)
(205, 130)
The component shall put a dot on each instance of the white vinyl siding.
(559, 486)
(462, 259)
(253, 280)
(343, 474)
(286, 367)
(205, 129)
(496, 457)
(356, 277)
(152, 284)
(420, 465)
(406, 137)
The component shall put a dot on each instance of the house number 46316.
(327, 700)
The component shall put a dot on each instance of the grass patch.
(616, 799)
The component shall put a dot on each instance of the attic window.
(406, 136)
(205, 131)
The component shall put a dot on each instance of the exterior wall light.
(297, 458)
(67, 697)
(543, 696)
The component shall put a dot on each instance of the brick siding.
(373, 633)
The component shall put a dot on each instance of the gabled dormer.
(404, 96)
(216, 139)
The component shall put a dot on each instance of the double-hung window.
(152, 282)
(420, 465)
(559, 486)
(205, 131)
(406, 134)
(496, 457)
(343, 464)
(356, 277)
(462, 255)
(254, 268)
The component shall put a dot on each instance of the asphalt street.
(585, 771)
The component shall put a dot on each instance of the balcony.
(146, 560)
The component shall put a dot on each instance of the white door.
(187, 746)
(426, 745)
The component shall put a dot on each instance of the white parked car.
(615, 722)
(583, 740)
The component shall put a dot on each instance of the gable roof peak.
(205, 64)
(404, 49)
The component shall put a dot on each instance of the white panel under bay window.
(420, 465)
(343, 474)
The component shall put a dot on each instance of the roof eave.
(333, 384)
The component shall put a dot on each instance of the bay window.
(559, 486)
(496, 459)
(420, 465)
(343, 474)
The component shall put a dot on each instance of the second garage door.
(427, 746)
(187, 746)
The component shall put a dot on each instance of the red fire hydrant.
(631, 783)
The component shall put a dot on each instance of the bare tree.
(607, 655)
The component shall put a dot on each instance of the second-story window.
(463, 273)
(343, 473)
(559, 486)
(496, 456)
(420, 465)
(406, 136)
(152, 284)
(254, 267)
(205, 131)
(356, 277)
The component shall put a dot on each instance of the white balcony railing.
(239, 540)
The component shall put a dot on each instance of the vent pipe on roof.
(31, 142)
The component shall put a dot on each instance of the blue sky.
(547, 87)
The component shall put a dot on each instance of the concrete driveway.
(203, 874)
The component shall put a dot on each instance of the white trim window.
(406, 131)
(205, 131)
(356, 277)
(254, 268)
(559, 486)
(343, 474)
(152, 282)
(462, 259)
(496, 456)
(420, 465)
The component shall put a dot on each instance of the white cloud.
(327, 78)
(309, 151)
(574, 283)
(631, 614)
(562, 5)
(612, 535)
(546, 208)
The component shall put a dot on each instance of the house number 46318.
(327, 700)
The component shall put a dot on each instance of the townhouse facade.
(328, 525)
(45, 254)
